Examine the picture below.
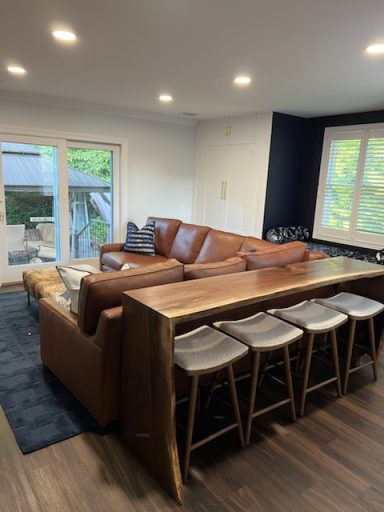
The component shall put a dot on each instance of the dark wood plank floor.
(330, 460)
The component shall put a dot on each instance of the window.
(350, 199)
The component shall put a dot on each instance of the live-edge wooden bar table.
(150, 317)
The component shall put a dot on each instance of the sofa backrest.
(165, 232)
(276, 258)
(219, 246)
(188, 241)
(104, 291)
(218, 268)
(251, 243)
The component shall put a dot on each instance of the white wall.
(158, 176)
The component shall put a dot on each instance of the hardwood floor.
(329, 460)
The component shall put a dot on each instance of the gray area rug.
(40, 410)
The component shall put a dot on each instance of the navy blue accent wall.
(294, 166)
(286, 160)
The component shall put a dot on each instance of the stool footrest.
(321, 384)
(355, 368)
(271, 407)
(213, 436)
(273, 377)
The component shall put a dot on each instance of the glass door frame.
(13, 274)
(115, 150)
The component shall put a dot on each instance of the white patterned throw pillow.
(72, 277)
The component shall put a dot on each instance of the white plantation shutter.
(340, 183)
(350, 199)
(370, 217)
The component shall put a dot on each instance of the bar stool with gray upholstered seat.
(357, 308)
(201, 352)
(314, 319)
(264, 333)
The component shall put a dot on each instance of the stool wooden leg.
(372, 342)
(191, 421)
(252, 394)
(235, 403)
(307, 367)
(335, 355)
(288, 378)
(351, 337)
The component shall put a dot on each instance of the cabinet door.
(240, 193)
(216, 174)
(217, 132)
(242, 129)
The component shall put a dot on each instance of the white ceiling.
(306, 57)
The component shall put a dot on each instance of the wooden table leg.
(148, 393)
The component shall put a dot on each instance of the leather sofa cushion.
(253, 244)
(218, 246)
(104, 291)
(116, 260)
(272, 248)
(314, 255)
(165, 232)
(219, 268)
(188, 241)
(274, 258)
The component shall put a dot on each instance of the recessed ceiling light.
(375, 48)
(16, 70)
(242, 80)
(165, 98)
(64, 35)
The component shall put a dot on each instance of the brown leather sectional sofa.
(84, 351)
(192, 244)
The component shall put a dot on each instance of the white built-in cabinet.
(231, 173)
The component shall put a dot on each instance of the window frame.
(352, 236)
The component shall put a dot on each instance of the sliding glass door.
(90, 171)
(56, 202)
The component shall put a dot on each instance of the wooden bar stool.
(357, 308)
(201, 352)
(264, 333)
(314, 319)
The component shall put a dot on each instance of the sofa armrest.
(55, 308)
(115, 247)
(109, 327)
